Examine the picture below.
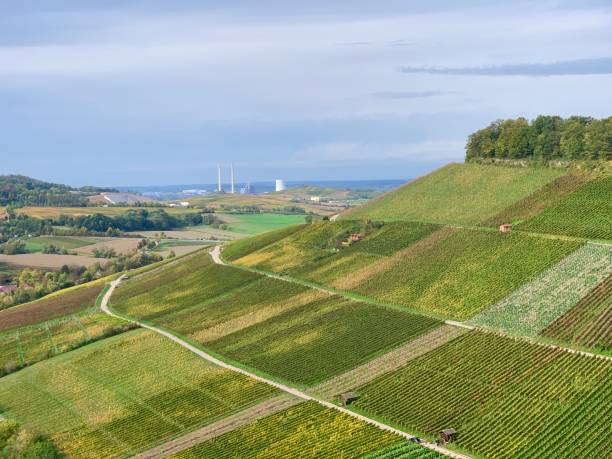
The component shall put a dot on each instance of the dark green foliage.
(17, 190)
(587, 212)
(17, 442)
(546, 138)
(505, 397)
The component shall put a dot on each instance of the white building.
(280, 185)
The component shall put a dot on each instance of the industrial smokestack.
(232, 178)
(219, 186)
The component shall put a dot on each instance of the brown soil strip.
(261, 410)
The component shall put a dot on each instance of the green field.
(259, 223)
(52, 306)
(27, 345)
(283, 329)
(536, 304)
(588, 322)
(37, 244)
(307, 430)
(506, 398)
(587, 212)
(123, 394)
(242, 247)
(458, 193)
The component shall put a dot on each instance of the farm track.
(249, 415)
(285, 388)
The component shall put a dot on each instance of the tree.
(598, 140)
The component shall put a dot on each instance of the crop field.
(55, 305)
(458, 193)
(242, 247)
(37, 244)
(587, 212)
(177, 287)
(119, 245)
(404, 450)
(31, 344)
(536, 304)
(259, 223)
(320, 339)
(547, 196)
(307, 430)
(46, 260)
(589, 323)
(124, 394)
(462, 271)
(506, 398)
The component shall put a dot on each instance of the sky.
(121, 92)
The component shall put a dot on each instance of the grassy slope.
(258, 223)
(314, 431)
(123, 394)
(506, 398)
(587, 212)
(458, 193)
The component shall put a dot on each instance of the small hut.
(347, 398)
(447, 435)
(355, 237)
(505, 228)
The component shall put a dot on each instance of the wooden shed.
(355, 237)
(505, 228)
(447, 435)
(347, 398)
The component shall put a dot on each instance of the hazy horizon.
(136, 93)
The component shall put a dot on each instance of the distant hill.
(19, 190)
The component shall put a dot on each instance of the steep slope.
(458, 193)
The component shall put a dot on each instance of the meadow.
(307, 430)
(37, 244)
(586, 213)
(54, 305)
(458, 193)
(506, 398)
(124, 394)
(256, 223)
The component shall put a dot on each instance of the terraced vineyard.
(55, 305)
(505, 397)
(458, 193)
(307, 430)
(535, 305)
(27, 345)
(283, 329)
(589, 323)
(587, 213)
(404, 450)
(242, 247)
(123, 394)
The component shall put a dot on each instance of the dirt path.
(283, 387)
(216, 429)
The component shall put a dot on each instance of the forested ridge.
(546, 138)
(19, 190)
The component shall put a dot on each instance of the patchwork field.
(587, 212)
(588, 323)
(124, 394)
(55, 305)
(283, 329)
(307, 430)
(119, 245)
(458, 193)
(37, 244)
(536, 304)
(55, 212)
(506, 398)
(27, 345)
(50, 261)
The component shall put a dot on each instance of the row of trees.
(132, 220)
(544, 139)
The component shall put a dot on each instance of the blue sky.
(158, 92)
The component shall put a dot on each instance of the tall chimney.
(219, 186)
(232, 177)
